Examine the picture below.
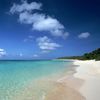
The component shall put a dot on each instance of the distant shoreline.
(87, 56)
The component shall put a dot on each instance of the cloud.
(84, 35)
(18, 8)
(39, 21)
(46, 44)
(2, 52)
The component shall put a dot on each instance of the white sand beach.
(89, 71)
(80, 82)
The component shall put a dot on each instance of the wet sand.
(63, 92)
(50, 91)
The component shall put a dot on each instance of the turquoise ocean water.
(16, 75)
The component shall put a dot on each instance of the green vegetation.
(87, 56)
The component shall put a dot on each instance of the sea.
(29, 79)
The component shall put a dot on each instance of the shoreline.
(89, 71)
(85, 78)
(54, 87)
(80, 82)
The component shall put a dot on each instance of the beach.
(56, 87)
(49, 49)
(89, 72)
(38, 80)
(85, 79)
(50, 80)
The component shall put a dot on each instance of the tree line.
(87, 56)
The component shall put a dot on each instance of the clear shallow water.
(15, 76)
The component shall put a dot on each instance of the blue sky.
(42, 29)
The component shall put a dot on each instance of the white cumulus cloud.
(2, 52)
(39, 21)
(47, 44)
(18, 8)
(84, 35)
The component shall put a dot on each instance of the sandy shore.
(64, 87)
(81, 82)
(89, 71)
(50, 90)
